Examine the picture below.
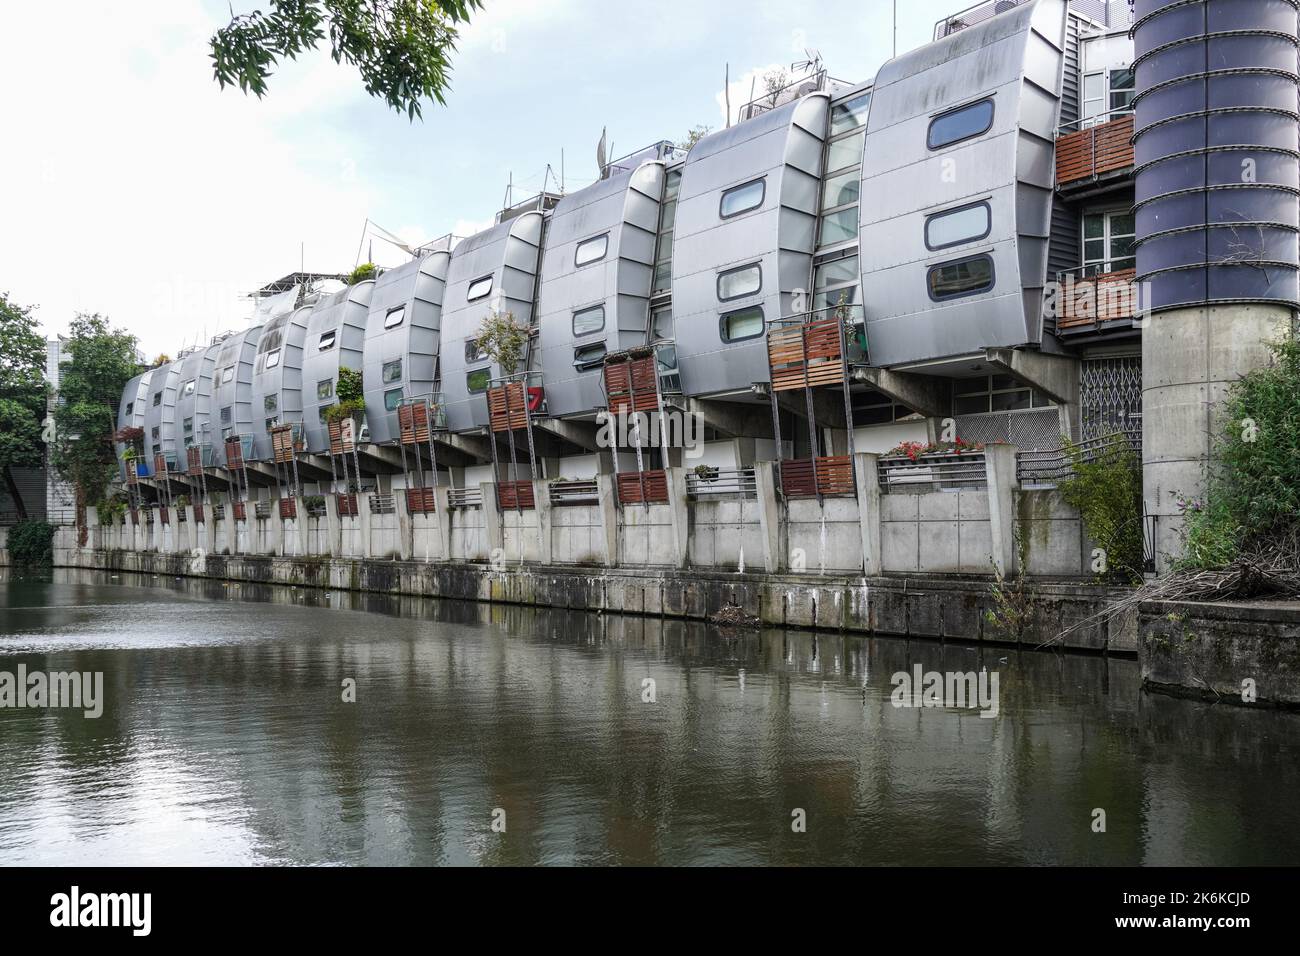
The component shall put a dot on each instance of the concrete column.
(159, 538)
(679, 508)
(363, 521)
(769, 515)
(1190, 357)
(192, 532)
(496, 539)
(127, 534)
(1000, 467)
(94, 534)
(405, 526)
(442, 521)
(542, 499)
(609, 517)
(333, 526)
(867, 478)
(275, 531)
(209, 529)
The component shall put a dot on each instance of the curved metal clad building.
(277, 376)
(336, 338)
(743, 241)
(194, 400)
(131, 410)
(493, 271)
(232, 389)
(401, 344)
(160, 413)
(957, 187)
(1217, 146)
(594, 294)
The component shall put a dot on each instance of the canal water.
(225, 738)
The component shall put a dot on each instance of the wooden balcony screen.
(159, 464)
(1094, 151)
(1108, 297)
(165, 515)
(508, 407)
(348, 507)
(421, 501)
(198, 513)
(234, 454)
(515, 495)
(805, 356)
(341, 444)
(642, 487)
(194, 460)
(631, 385)
(239, 511)
(283, 446)
(834, 477)
(413, 424)
(288, 507)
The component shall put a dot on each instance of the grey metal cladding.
(784, 147)
(1016, 59)
(282, 382)
(165, 382)
(344, 313)
(625, 208)
(416, 288)
(1217, 152)
(136, 396)
(237, 351)
(508, 253)
(196, 406)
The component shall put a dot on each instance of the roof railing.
(815, 82)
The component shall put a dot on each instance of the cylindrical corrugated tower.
(1217, 202)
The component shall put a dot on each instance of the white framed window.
(1108, 238)
(589, 356)
(591, 250)
(479, 289)
(188, 388)
(391, 372)
(325, 389)
(227, 375)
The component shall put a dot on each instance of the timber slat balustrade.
(1108, 297)
(805, 355)
(288, 508)
(421, 501)
(348, 506)
(631, 385)
(642, 487)
(234, 454)
(413, 424)
(198, 514)
(239, 511)
(194, 460)
(515, 495)
(1094, 151)
(834, 478)
(284, 443)
(508, 407)
(341, 443)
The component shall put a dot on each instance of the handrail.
(721, 483)
(1093, 121)
(775, 99)
(1046, 467)
(465, 497)
(581, 491)
(382, 504)
(944, 470)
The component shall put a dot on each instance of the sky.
(133, 186)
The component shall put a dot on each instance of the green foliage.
(342, 410)
(401, 48)
(1253, 485)
(693, 136)
(362, 273)
(22, 387)
(31, 543)
(1015, 607)
(351, 385)
(1107, 491)
(502, 340)
(111, 510)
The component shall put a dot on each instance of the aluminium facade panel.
(131, 410)
(336, 335)
(277, 376)
(160, 413)
(232, 389)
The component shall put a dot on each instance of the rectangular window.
(743, 324)
(188, 425)
(589, 357)
(839, 226)
(738, 283)
(472, 353)
(960, 124)
(392, 398)
(227, 375)
(326, 341)
(271, 403)
(272, 359)
(157, 398)
(661, 323)
(130, 407)
(742, 198)
(842, 190)
(320, 413)
(589, 320)
(1123, 86)
(845, 152)
(591, 250)
(962, 277)
(188, 388)
(226, 415)
(478, 380)
(478, 289)
(394, 317)
(153, 433)
(325, 389)
(836, 272)
(850, 114)
(392, 372)
(955, 226)
(1108, 239)
(271, 423)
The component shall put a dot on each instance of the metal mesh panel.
(1110, 394)
(1030, 428)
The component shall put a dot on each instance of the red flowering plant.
(913, 450)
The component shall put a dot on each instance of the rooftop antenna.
(813, 63)
(726, 92)
(561, 171)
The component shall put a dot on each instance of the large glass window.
(738, 283)
(835, 283)
(994, 393)
(846, 151)
(394, 317)
(478, 380)
(663, 277)
(959, 124)
(850, 114)
(952, 227)
(961, 277)
(842, 189)
(591, 250)
(1108, 238)
(589, 356)
(743, 198)
(589, 320)
(478, 289)
(391, 372)
(839, 226)
(742, 324)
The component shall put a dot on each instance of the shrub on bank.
(31, 544)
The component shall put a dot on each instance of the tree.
(503, 340)
(693, 136)
(774, 81)
(90, 385)
(22, 392)
(401, 48)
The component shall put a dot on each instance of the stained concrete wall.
(726, 534)
(940, 531)
(822, 539)
(578, 535)
(645, 536)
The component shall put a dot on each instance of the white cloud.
(744, 89)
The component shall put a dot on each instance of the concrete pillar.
(542, 499)
(405, 526)
(679, 508)
(127, 533)
(209, 529)
(363, 522)
(769, 515)
(609, 517)
(495, 533)
(442, 521)
(333, 526)
(1190, 357)
(867, 478)
(275, 531)
(1000, 467)
(301, 525)
(159, 538)
(94, 534)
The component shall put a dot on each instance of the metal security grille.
(1110, 394)
(1032, 428)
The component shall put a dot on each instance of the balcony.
(1090, 303)
(1097, 154)
(642, 487)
